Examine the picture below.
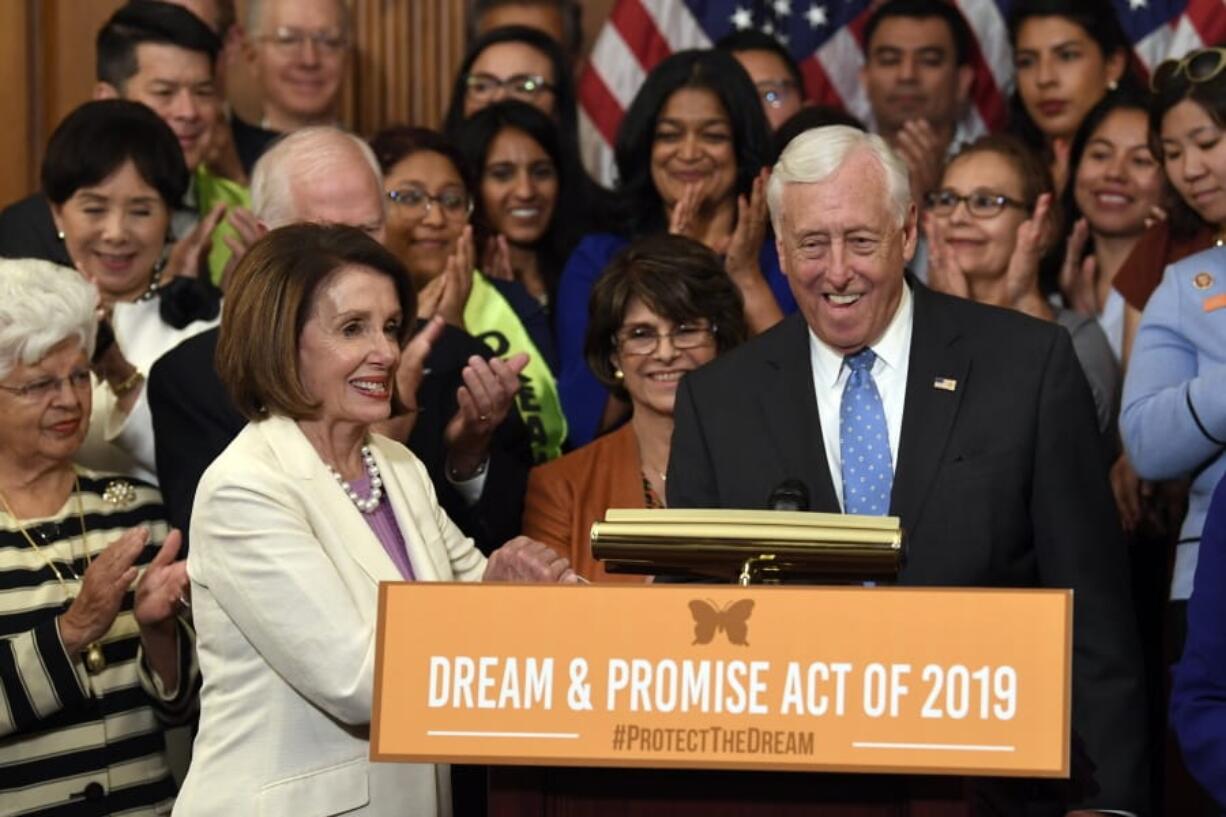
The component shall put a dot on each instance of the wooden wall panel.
(17, 167)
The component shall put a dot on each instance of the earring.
(59, 234)
(619, 374)
(1112, 85)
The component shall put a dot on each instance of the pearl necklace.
(376, 483)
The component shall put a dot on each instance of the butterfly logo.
(733, 619)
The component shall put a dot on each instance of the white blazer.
(285, 574)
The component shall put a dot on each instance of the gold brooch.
(1203, 280)
(119, 492)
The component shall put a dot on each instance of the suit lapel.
(790, 407)
(356, 539)
(937, 375)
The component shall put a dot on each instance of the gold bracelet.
(129, 383)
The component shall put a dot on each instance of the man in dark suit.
(972, 424)
(478, 462)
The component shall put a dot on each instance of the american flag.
(825, 37)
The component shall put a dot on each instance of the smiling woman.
(295, 525)
(113, 174)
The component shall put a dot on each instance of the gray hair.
(303, 153)
(817, 154)
(42, 305)
(255, 16)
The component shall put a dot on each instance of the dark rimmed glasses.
(643, 340)
(1196, 67)
(980, 204)
(527, 87)
(454, 204)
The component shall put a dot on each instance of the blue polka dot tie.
(864, 441)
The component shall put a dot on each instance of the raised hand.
(527, 560)
(681, 219)
(496, 261)
(745, 243)
(458, 275)
(247, 230)
(163, 589)
(189, 254)
(924, 154)
(485, 399)
(1022, 274)
(109, 576)
(1077, 275)
(945, 274)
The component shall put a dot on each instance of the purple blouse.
(382, 521)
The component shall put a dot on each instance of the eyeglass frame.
(288, 38)
(507, 85)
(711, 331)
(1001, 202)
(1181, 65)
(781, 88)
(48, 387)
(430, 200)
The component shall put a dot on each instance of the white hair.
(42, 305)
(817, 154)
(255, 15)
(304, 153)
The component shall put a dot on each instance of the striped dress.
(72, 742)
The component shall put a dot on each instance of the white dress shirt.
(893, 350)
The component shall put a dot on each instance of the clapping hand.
(485, 399)
(496, 263)
(163, 588)
(447, 294)
(681, 219)
(924, 155)
(109, 576)
(945, 274)
(1077, 275)
(527, 560)
(247, 230)
(189, 254)
(741, 249)
(1022, 274)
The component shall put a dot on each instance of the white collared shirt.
(893, 350)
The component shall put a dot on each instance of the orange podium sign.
(932, 681)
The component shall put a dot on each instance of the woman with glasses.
(524, 195)
(690, 155)
(1174, 417)
(664, 306)
(114, 173)
(1066, 55)
(429, 205)
(95, 657)
(988, 226)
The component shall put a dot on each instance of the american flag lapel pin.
(945, 383)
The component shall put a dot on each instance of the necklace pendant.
(95, 661)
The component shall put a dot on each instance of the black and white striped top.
(72, 742)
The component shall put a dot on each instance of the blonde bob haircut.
(270, 298)
(817, 154)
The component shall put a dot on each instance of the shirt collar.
(890, 348)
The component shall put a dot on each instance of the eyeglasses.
(979, 204)
(643, 340)
(291, 40)
(454, 204)
(1198, 66)
(39, 390)
(521, 86)
(776, 93)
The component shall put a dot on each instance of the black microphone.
(789, 495)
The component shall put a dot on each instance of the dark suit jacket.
(999, 483)
(28, 231)
(194, 420)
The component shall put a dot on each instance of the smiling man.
(298, 51)
(163, 56)
(972, 424)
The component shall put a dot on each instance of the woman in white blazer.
(298, 521)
